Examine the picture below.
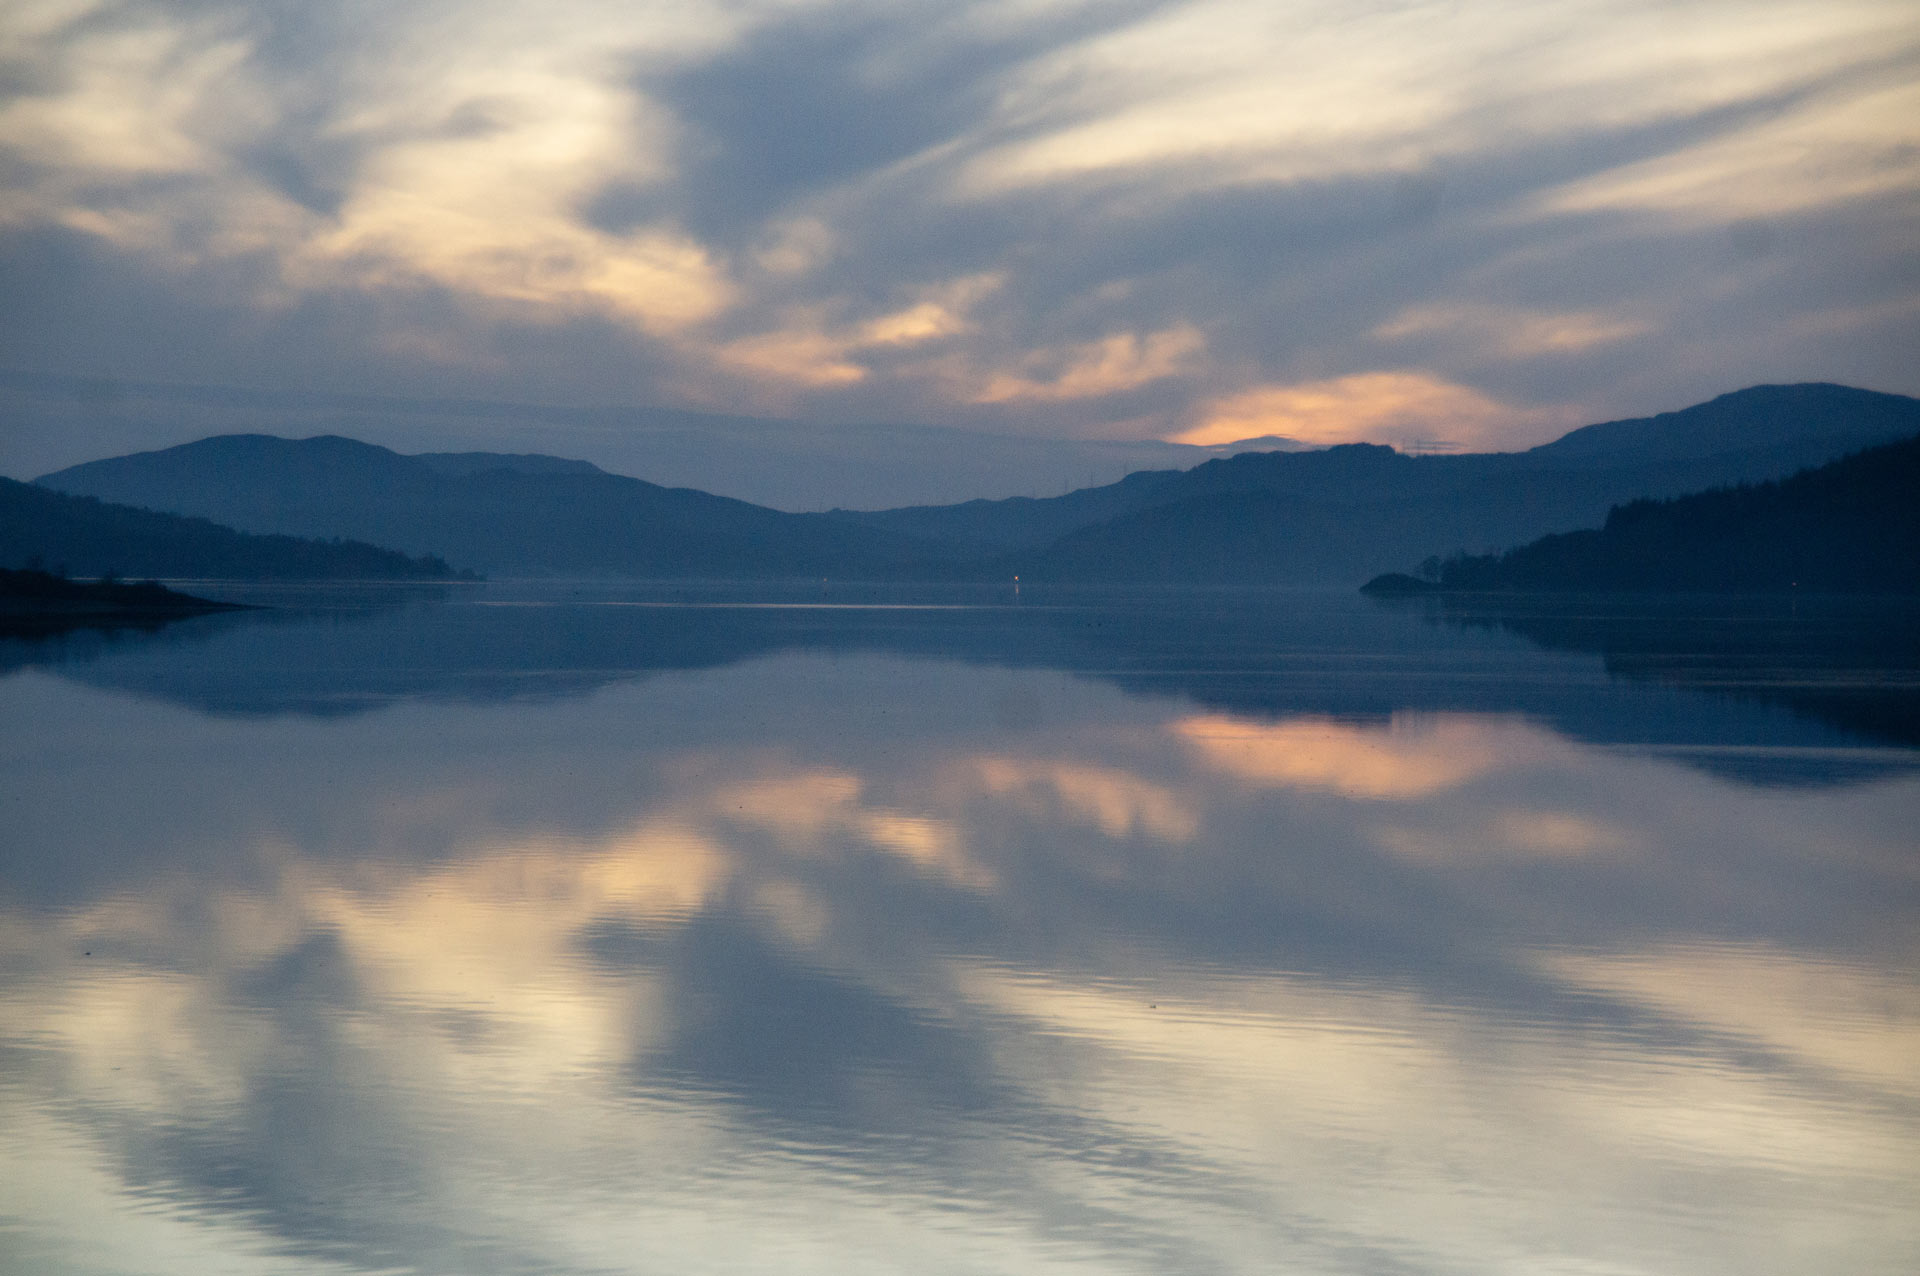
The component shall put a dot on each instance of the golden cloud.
(798, 357)
(488, 210)
(1405, 407)
(1120, 362)
(470, 235)
(809, 350)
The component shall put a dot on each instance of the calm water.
(609, 930)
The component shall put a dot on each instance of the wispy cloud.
(1503, 217)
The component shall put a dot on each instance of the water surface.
(581, 928)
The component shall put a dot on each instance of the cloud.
(1409, 223)
(807, 348)
(1407, 408)
(1511, 332)
(1111, 365)
(1839, 148)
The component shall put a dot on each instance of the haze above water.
(606, 929)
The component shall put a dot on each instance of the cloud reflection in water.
(1131, 987)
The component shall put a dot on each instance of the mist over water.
(588, 928)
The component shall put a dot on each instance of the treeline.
(83, 536)
(1852, 526)
(33, 595)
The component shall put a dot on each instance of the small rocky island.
(37, 599)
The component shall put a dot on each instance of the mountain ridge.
(532, 514)
(787, 464)
(1849, 526)
(1321, 516)
(1853, 419)
(85, 536)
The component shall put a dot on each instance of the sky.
(1438, 225)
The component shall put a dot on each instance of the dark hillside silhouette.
(1328, 516)
(1406, 504)
(37, 602)
(1852, 526)
(535, 515)
(87, 537)
(1762, 420)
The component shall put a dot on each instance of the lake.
(590, 928)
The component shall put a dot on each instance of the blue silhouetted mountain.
(464, 464)
(1345, 512)
(1327, 516)
(1851, 526)
(527, 514)
(84, 536)
(1785, 427)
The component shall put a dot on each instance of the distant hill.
(534, 515)
(1341, 512)
(784, 464)
(1851, 527)
(1790, 425)
(463, 464)
(82, 536)
(1326, 516)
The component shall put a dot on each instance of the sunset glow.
(1210, 221)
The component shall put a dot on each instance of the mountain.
(501, 514)
(1791, 425)
(1385, 505)
(467, 464)
(1849, 527)
(1326, 516)
(54, 420)
(88, 537)
(1348, 511)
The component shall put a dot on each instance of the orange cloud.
(1413, 408)
(1123, 361)
(810, 349)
